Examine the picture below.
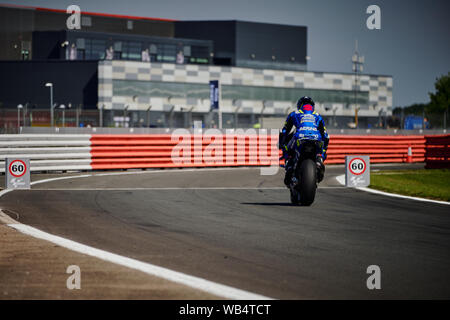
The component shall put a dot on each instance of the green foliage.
(435, 109)
(440, 100)
(416, 109)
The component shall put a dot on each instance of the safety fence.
(67, 152)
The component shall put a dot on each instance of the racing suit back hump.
(308, 125)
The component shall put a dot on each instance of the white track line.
(162, 188)
(171, 188)
(178, 277)
(341, 180)
(172, 170)
(127, 173)
(174, 276)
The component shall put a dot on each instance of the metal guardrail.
(47, 152)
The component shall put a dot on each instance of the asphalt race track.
(237, 227)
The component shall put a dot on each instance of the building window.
(26, 48)
(130, 24)
(81, 43)
(91, 49)
(153, 49)
(195, 90)
(166, 53)
(199, 54)
(153, 52)
(187, 51)
(117, 50)
(131, 50)
(98, 49)
(81, 54)
(81, 48)
(86, 21)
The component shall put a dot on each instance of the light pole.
(188, 114)
(423, 119)
(262, 113)
(77, 115)
(50, 85)
(236, 110)
(171, 113)
(357, 66)
(24, 114)
(63, 107)
(148, 116)
(380, 123)
(124, 115)
(69, 106)
(445, 119)
(334, 117)
(101, 115)
(169, 123)
(220, 105)
(19, 107)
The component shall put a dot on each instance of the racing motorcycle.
(306, 174)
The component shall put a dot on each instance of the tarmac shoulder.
(36, 269)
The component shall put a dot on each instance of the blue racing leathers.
(308, 125)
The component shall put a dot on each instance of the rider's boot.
(288, 176)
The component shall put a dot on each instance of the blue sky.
(413, 44)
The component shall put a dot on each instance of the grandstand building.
(163, 67)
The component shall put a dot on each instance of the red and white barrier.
(165, 151)
(381, 149)
(63, 152)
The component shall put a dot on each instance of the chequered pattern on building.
(379, 87)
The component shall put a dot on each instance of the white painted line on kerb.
(341, 180)
(178, 277)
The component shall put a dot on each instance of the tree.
(416, 108)
(440, 101)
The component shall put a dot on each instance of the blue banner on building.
(214, 94)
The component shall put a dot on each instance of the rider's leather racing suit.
(308, 124)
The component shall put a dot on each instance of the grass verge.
(424, 183)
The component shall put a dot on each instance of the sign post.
(357, 171)
(17, 173)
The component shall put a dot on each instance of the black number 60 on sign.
(17, 168)
(357, 166)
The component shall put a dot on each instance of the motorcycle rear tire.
(308, 182)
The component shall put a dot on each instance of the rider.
(308, 123)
